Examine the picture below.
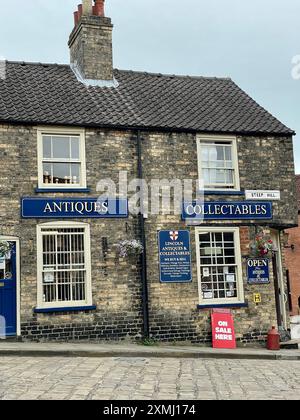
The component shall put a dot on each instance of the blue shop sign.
(258, 271)
(227, 210)
(175, 256)
(80, 208)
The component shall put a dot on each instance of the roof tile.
(51, 94)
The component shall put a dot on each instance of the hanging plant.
(129, 248)
(262, 246)
(5, 248)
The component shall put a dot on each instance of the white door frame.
(275, 235)
(18, 277)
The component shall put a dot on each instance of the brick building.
(292, 254)
(66, 127)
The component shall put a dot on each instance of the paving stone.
(130, 379)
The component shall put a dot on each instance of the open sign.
(258, 271)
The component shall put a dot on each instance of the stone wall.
(116, 282)
(265, 163)
(91, 48)
(173, 307)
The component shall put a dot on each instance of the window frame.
(62, 132)
(240, 299)
(87, 244)
(219, 139)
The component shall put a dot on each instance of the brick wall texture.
(292, 257)
(264, 163)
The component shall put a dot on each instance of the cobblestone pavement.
(151, 379)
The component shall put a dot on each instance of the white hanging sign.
(262, 195)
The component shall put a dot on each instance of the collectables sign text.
(227, 210)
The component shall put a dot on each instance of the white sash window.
(61, 156)
(219, 265)
(63, 265)
(218, 163)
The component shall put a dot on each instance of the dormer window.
(61, 155)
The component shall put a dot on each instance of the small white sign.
(2, 264)
(205, 272)
(262, 195)
(49, 278)
(212, 251)
(230, 278)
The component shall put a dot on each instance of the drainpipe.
(145, 303)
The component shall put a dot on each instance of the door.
(277, 290)
(279, 286)
(8, 292)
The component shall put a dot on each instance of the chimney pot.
(87, 9)
(90, 43)
(79, 11)
(98, 9)
(76, 18)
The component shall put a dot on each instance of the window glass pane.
(213, 154)
(47, 173)
(220, 153)
(229, 177)
(47, 147)
(204, 153)
(212, 176)
(228, 236)
(228, 154)
(204, 237)
(75, 147)
(61, 147)
(75, 173)
(205, 173)
(61, 173)
(221, 177)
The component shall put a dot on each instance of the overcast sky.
(251, 41)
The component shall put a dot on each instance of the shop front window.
(64, 266)
(219, 265)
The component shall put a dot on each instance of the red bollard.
(273, 342)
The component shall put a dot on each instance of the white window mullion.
(71, 280)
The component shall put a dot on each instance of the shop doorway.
(280, 296)
(9, 287)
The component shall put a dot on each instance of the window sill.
(61, 190)
(223, 305)
(222, 192)
(64, 309)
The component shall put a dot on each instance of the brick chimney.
(91, 44)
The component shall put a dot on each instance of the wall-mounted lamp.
(285, 237)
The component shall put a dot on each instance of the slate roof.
(51, 94)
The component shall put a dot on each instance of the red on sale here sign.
(223, 330)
